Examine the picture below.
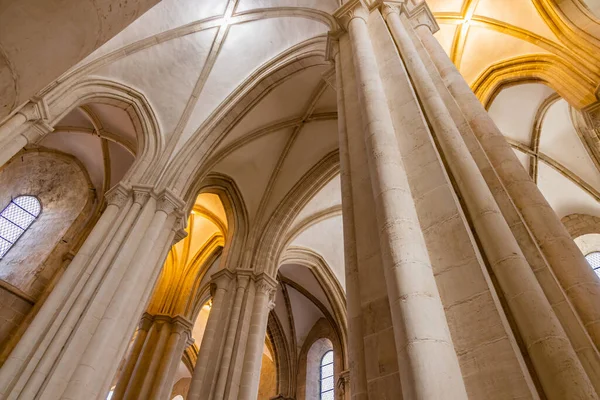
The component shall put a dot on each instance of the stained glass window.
(326, 382)
(594, 260)
(16, 217)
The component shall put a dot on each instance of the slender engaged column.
(265, 286)
(428, 364)
(45, 321)
(568, 264)
(546, 341)
(242, 283)
(355, 331)
(181, 337)
(134, 355)
(25, 127)
(131, 290)
(158, 351)
(12, 125)
(220, 284)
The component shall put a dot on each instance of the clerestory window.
(326, 377)
(15, 219)
(593, 259)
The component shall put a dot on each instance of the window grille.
(326, 382)
(593, 259)
(15, 219)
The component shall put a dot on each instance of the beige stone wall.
(60, 184)
(320, 339)
(181, 388)
(268, 379)
(581, 224)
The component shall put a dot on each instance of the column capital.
(265, 283)
(179, 229)
(350, 10)
(118, 195)
(243, 278)
(141, 193)
(332, 47)
(169, 202)
(419, 15)
(146, 321)
(37, 131)
(31, 111)
(182, 324)
(220, 280)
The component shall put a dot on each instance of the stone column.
(93, 323)
(136, 350)
(27, 126)
(265, 287)
(181, 338)
(429, 367)
(207, 354)
(20, 364)
(243, 277)
(343, 386)
(525, 297)
(570, 267)
(355, 332)
(153, 361)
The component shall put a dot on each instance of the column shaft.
(429, 367)
(355, 331)
(223, 377)
(178, 341)
(120, 310)
(570, 267)
(210, 332)
(136, 351)
(256, 340)
(46, 319)
(524, 295)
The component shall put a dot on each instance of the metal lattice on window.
(594, 260)
(16, 217)
(326, 382)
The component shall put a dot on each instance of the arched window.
(326, 377)
(16, 217)
(593, 259)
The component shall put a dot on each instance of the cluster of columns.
(153, 359)
(413, 134)
(72, 347)
(26, 127)
(230, 356)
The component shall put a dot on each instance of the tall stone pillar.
(353, 307)
(229, 360)
(516, 278)
(263, 304)
(415, 195)
(82, 331)
(410, 282)
(156, 352)
(577, 279)
(208, 352)
(27, 126)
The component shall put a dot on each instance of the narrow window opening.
(15, 219)
(593, 259)
(326, 383)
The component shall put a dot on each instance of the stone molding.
(419, 15)
(350, 10)
(118, 195)
(243, 278)
(141, 193)
(220, 280)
